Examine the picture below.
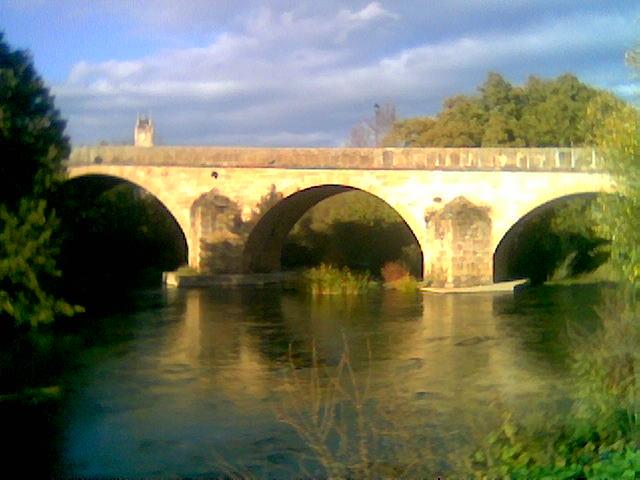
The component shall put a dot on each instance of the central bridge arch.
(263, 248)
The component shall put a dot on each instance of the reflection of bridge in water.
(454, 350)
(235, 206)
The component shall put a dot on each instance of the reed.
(329, 280)
(349, 431)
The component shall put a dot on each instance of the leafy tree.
(410, 132)
(32, 138)
(32, 148)
(618, 215)
(26, 258)
(538, 114)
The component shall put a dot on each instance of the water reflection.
(196, 384)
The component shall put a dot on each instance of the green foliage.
(26, 264)
(574, 452)
(618, 215)
(346, 207)
(328, 280)
(129, 228)
(328, 232)
(410, 132)
(32, 141)
(541, 113)
(32, 148)
(600, 437)
(562, 239)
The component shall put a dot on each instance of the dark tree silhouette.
(32, 148)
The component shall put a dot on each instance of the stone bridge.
(235, 206)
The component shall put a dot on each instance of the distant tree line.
(558, 112)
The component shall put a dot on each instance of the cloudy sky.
(292, 73)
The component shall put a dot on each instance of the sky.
(300, 73)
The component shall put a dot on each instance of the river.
(197, 382)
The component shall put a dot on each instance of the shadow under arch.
(530, 245)
(82, 192)
(263, 248)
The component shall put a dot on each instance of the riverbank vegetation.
(354, 230)
(328, 280)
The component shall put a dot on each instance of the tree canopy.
(32, 148)
(541, 113)
(32, 141)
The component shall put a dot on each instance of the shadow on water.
(34, 368)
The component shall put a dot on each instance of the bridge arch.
(263, 248)
(505, 259)
(104, 181)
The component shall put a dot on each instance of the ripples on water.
(191, 385)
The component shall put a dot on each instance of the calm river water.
(193, 382)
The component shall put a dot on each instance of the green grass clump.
(329, 280)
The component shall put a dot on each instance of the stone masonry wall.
(214, 205)
(460, 234)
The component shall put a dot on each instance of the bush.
(396, 276)
(392, 271)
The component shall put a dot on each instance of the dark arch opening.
(115, 236)
(532, 249)
(268, 247)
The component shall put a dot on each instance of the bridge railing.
(527, 159)
(581, 159)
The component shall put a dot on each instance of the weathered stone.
(236, 205)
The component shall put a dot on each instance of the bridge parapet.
(482, 159)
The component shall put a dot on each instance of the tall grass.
(329, 280)
(349, 431)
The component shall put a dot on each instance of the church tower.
(143, 133)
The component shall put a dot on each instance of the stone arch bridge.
(236, 206)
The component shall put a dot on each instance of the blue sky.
(296, 73)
